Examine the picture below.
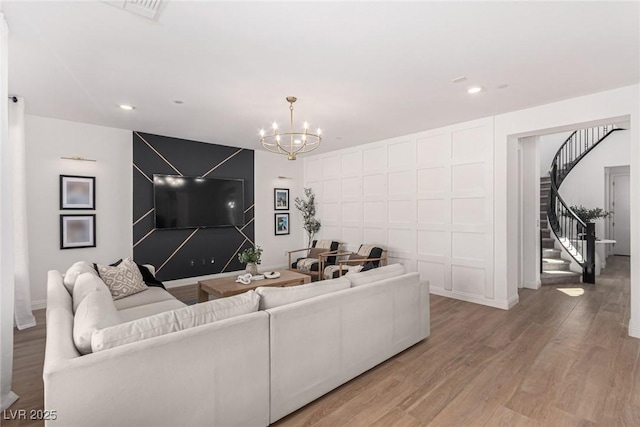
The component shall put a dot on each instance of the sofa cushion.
(74, 271)
(375, 275)
(85, 284)
(148, 272)
(96, 311)
(146, 310)
(175, 320)
(271, 297)
(123, 280)
(150, 296)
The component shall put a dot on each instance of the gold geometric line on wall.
(247, 224)
(144, 216)
(176, 251)
(143, 174)
(160, 155)
(249, 208)
(245, 236)
(145, 236)
(235, 254)
(221, 163)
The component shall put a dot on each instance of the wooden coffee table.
(227, 286)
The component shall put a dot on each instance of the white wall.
(614, 105)
(548, 146)
(530, 210)
(426, 197)
(268, 168)
(7, 300)
(49, 139)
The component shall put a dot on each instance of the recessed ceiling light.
(459, 79)
(127, 107)
(474, 89)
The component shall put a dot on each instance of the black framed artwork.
(77, 231)
(77, 192)
(281, 224)
(281, 199)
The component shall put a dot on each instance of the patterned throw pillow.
(122, 280)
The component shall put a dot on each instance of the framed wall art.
(281, 199)
(282, 224)
(77, 231)
(77, 192)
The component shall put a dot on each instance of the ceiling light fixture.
(291, 143)
(127, 107)
(474, 89)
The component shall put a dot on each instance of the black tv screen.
(190, 202)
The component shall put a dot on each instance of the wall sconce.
(82, 159)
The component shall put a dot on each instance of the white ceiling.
(362, 71)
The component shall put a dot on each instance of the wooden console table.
(227, 286)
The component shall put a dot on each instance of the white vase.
(252, 268)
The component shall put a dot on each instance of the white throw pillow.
(96, 311)
(271, 297)
(85, 284)
(175, 320)
(74, 271)
(122, 280)
(375, 275)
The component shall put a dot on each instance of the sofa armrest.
(215, 374)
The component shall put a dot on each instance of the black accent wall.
(183, 253)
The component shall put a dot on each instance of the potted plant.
(308, 209)
(251, 257)
(590, 215)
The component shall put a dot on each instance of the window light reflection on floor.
(572, 292)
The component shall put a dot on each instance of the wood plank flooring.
(553, 360)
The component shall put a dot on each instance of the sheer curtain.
(23, 315)
(7, 397)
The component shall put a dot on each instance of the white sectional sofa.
(247, 370)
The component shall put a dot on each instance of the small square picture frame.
(77, 192)
(281, 224)
(281, 199)
(77, 231)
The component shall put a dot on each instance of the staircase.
(575, 237)
(555, 270)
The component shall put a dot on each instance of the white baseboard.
(193, 280)
(634, 331)
(39, 304)
(535, 285)
(501, 304)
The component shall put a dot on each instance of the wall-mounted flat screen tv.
(191, 202)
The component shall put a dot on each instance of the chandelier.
(291, 143)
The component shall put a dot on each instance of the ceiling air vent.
(147, 8)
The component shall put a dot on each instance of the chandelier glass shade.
(293, 142)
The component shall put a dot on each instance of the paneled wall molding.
(426, 197)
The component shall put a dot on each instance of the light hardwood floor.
(553, 360)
